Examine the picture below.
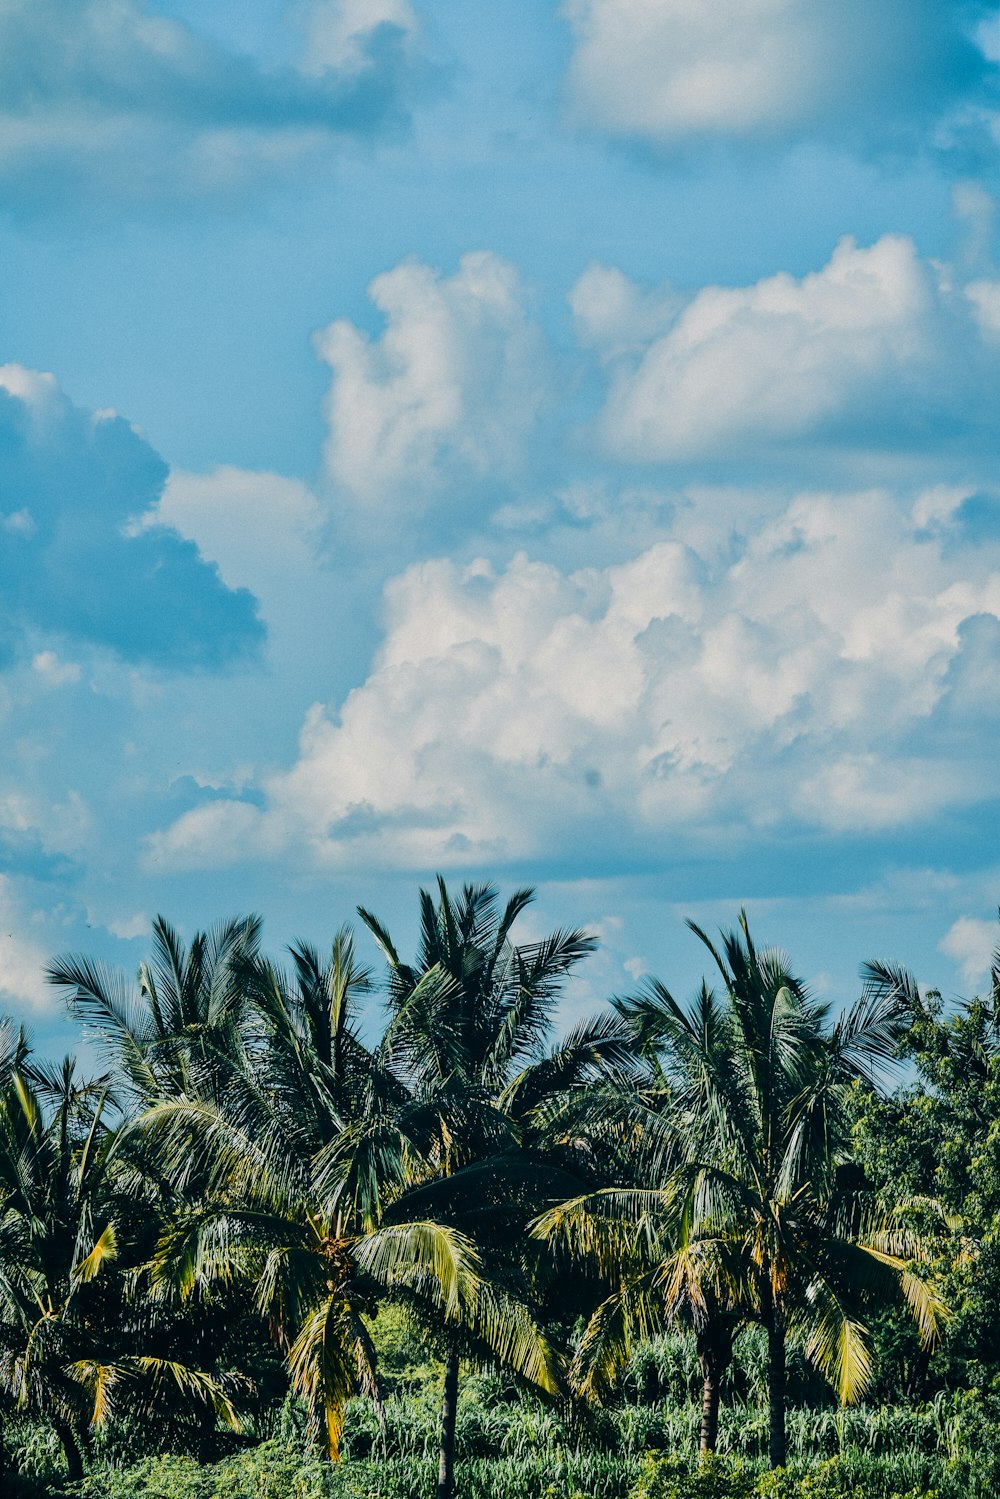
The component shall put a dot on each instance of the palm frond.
(427, 1256)
(838, 1344)
(105, 1249)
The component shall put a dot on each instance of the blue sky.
(544, 442)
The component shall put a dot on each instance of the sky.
(547, 443)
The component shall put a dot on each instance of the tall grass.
(512, 1445)
(497, 1420)
(271, 1471)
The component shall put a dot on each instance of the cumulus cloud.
(971, 944)
(615, 316)
(262, 529)
(446, 397)
(668, 70)
(73, 562)
(877, 350)
(110, 96)
(692, 694)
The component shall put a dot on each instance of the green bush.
(710, 1478)
(717, 1478)
(153, 1478)
(270, 1471)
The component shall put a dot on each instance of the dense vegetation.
(692, 1248)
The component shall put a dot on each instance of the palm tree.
(748, 1210)
(273, 1129)
(242, 1080)
(56, 1236)
(186, 1012)
(466, 1030)
(75, 1213)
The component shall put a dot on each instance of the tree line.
(214, 1220)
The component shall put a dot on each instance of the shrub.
(719, 1478)
(710, 1478)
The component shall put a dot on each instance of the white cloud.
(664, 70)
(129, 927)
(870, 352)
(107, 98)
(339, 32)
(615, 315)
(446, 395)
(234, 829)
(32, 819)
(260, 528)
(38, 391)
(871, 791)
(971, 943)
(988, 37)
(676, 695)
(976, 211)
(22, 957)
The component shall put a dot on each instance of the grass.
(512, 1445)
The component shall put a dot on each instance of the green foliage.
(407, 1355)
(272, 1471)
(666, 1368)
(262, 1226)
(514, 1447)
(711, 1478)
(717, 1478)
(949, 1120)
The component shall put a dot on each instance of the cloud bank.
(814, 675)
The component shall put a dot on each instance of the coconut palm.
(467, 1026)
(185, 1013)
(748, 1210)
(279, 1161)
(182, 1030)
(71, 1209)
(56, 1236)
(243, 1078)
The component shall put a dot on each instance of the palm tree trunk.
(715, 1352)
(206, 1432)
(70, 1446)
(709, 1409)
(449, 1411)
(776, 1389)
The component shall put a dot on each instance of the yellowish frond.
(105, 1249)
